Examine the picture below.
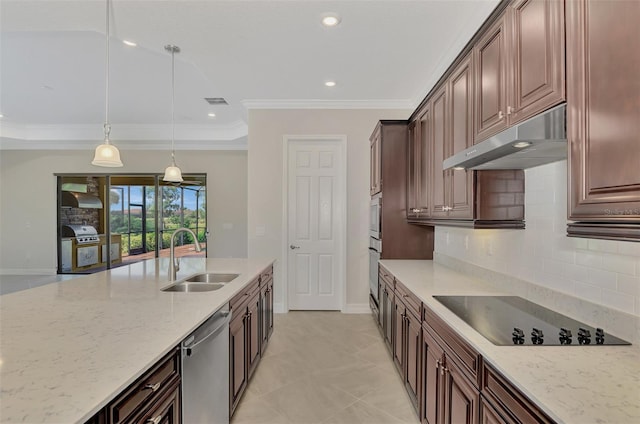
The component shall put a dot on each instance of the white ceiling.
(384, 54)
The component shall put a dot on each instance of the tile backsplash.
(601, 271)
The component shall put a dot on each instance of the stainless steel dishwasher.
(205, 371)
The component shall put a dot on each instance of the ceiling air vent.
(216, 100)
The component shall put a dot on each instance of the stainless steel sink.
(186, 287)
(202, 283)
(212, 277)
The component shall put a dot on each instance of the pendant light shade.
(107, 154)
(172, 173)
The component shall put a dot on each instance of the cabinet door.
(439, 151)
(388, 317)
(237, 358)
(603, 100)
(398, 334)
(269, 310)
(431, 405)
(376, 165)
(413, 169)
(425, 135)
(537, 47)
(412, 378)
(461, 398)
(253, 336)
(491, 77)
(266, 312)
(461, 121)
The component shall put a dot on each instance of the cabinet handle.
(416, 210)
(155, 420)
(500, 115)
(152, 387)
(509, 110)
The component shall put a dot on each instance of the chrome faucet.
(174, 264)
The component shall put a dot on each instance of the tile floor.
(325, 367)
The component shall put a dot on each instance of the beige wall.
(28, 199)
(266, 131)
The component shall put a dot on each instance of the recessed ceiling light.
(330, 83)
(129, 43)
(1, 115)
(330, 20)
(211, 115)
(521, 144)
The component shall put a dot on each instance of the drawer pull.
(152, 387)
(155, 420)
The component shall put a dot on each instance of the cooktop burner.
(512, 320)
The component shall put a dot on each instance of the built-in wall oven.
(375, 221)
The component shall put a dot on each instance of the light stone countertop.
(576, 384)
(68, 348)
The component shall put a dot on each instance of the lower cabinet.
(249, 332)
(153, 398)
(448, 394)
(447, 380)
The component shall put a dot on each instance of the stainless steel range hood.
(536, 141)
(72, 199)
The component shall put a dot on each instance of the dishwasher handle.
(188, 347)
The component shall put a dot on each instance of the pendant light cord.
(173, 98)
(107, 126)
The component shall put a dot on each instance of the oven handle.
(374, 249)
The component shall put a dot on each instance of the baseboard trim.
(20, 271)
(357, 308)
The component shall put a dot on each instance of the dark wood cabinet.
(450, 388)
(406, 341)
(440, 149)
(165, 411)
(419, 176)
(238, 352)
(488, 414)
(603, 100)
(254, 335)
(537, 57)
(520, 65)
(387, 310)
(401, 240)
(148, 396)
(490, 56)
(244, 340)
(452, 132)
(509, 404)
(266, 304)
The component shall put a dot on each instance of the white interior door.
(315, 227)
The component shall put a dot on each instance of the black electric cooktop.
(512, 320)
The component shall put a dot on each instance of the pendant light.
(107, 154)
(173, 174)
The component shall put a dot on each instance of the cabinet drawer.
(466, 355)
(410, 300)
(242, 298)
(386, 276)
(266, 275)
(151, 384)
(509, 400)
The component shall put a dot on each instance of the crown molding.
(327, 104)
(231, 136)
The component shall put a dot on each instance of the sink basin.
(202, 283)
(211, 277)
(186, 287)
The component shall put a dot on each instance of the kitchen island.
(571, 384)
(68, 348)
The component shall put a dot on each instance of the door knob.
(292, 247)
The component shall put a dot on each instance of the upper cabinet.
(603, 111)
(519, 65)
